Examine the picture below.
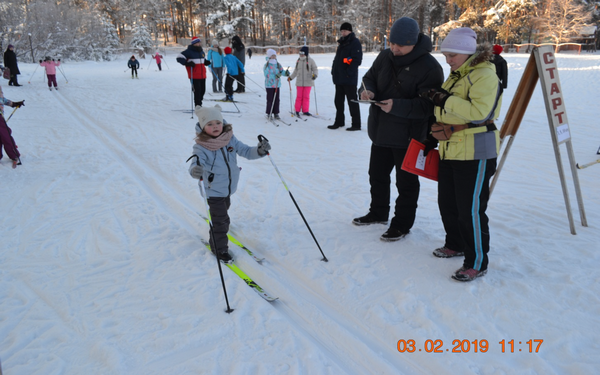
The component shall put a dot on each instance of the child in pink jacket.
(50, 66)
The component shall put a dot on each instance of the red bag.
(6, 73)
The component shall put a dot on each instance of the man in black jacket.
(396, 78)
(344, 71)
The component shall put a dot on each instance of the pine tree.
(142, 40)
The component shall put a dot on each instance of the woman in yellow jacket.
(466, 107)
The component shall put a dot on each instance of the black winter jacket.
(10, 61)
(402, 78)
(349, 48)
(501, 70)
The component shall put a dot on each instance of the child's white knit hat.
(206, 114)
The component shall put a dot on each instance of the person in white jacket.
(306, 71)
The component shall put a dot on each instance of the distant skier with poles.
(50, 65)
(6, 139)
(216, 151)
(235, 69)
(133, 64)
(193, 58)
(157, 56)
(273, 72)
(306, 71)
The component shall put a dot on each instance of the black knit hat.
(346, 26)
(404, 32)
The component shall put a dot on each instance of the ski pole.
(63, 73)
(33, 73)
(246, 87)
(260, 139)
(149, 62)
(192, 83)
(315, 92)
(577, 165)
(11, 114)
(253, 81)
(212, 235)
(291, 109)
(274, 98)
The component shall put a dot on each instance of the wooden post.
(515, 113)
(542, 66)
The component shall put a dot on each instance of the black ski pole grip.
(261, 137)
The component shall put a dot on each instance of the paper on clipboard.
(367, 101)
(415, 162)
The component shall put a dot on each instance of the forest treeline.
(96, 29)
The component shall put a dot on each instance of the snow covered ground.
(102, 270)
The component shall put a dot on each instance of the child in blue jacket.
(273, 72)
(215, 154)
(235, 68)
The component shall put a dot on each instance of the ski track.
(296, 301)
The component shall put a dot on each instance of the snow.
(102, 270)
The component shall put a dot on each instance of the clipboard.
(414, 161)
(367, 101)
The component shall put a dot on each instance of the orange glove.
(347, 60)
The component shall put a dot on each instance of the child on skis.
(6, 139)
(215, 55)
(273, 72)
(306, 70)
(235, 68)
(157, 56)
(50, 66)
(215, 154)
(133, 64)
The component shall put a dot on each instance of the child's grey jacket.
(222, 165)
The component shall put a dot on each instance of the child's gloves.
(58, 59)
(289, 79)
(263, 147)
(207, 62)
(18, 104)
(191, 64)
(196, 171)
(287, 72)
(314, 77)
(40, 61)
(348, 60)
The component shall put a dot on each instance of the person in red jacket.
(158, 58)
(193, 58)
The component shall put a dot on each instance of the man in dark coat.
(10, 61)
(344, 71)
(501, 65)
(396, 78)
(239, 51)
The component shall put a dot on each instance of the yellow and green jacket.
(476, 98)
